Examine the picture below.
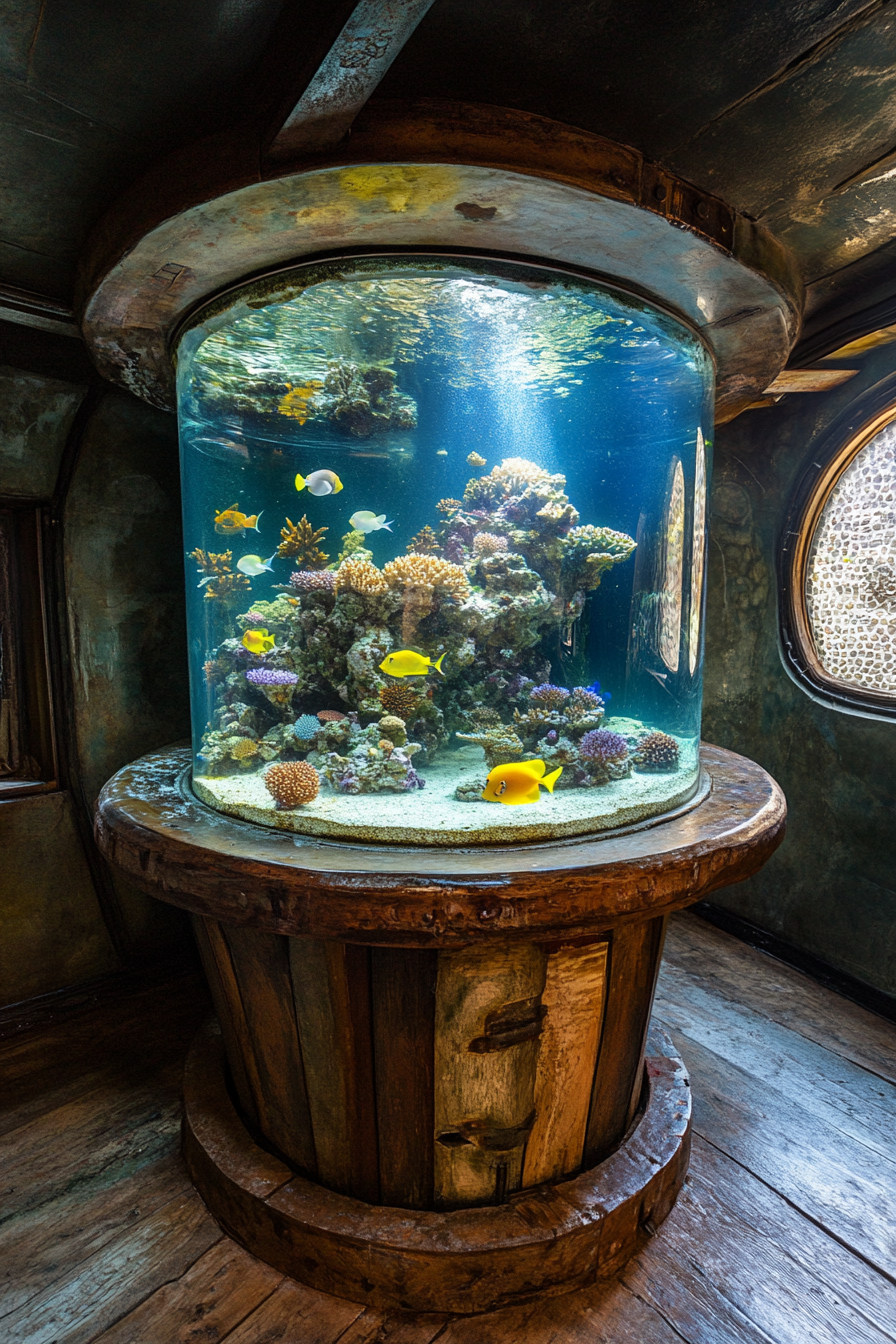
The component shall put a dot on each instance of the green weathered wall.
(122, 688)
(831, 888)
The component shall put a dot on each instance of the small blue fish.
(595, 688)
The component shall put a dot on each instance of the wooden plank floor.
(785, 1232)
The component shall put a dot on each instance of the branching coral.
(547, 696)
(292, 783)
(274, 682)
(313, 580)
(424, 543)
(220, 582)
(589, 551)
(603, 746)
(354, 544)
(300, 541)
(489, 543)
(449, 506)
(422, 579)
(362, 577)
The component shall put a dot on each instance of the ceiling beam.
(349, 73)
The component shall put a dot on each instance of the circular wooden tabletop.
(163, 840)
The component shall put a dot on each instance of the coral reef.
(424, 543)
(657, 751)
(423, 580)
(489, 543)
(362, 576)
(364, 401)
(548, 696)
(292, 783)
(274, 682)
(485, 590)
(501, 745)
(220, 582)
(399, 700)
(300, 543)
(306, 727)
(313, 580)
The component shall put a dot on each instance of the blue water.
(613, 399)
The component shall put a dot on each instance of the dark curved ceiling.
(785, 110)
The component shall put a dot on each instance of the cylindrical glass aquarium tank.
(445, 522)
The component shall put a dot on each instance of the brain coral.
(330, 715)
(399, 700)
(292, 783)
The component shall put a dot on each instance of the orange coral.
(300, 540)
(220, 582)
(292, 783)
(399, 700)
(362, 576)
(420, 576)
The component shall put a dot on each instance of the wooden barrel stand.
(427, 1085)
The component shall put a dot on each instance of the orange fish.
(231, 522)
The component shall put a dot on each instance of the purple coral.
(271, 676)
(603, 747)
(551, 737)
(413, 780)
(313, 580)
(547, 696)
(255, 618)
(586, 699)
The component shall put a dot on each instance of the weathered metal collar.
(439, 175)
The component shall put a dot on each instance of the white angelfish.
(367, 521)
(253, 565)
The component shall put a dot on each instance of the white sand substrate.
(433, 816)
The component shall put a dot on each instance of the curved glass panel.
(851, 571)
(440, 525)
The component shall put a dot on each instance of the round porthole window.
(843, 589)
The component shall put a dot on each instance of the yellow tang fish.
(257, 641)
(230, 521)
(406, 663)
(518, 782)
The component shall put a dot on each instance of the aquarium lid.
(435, 175)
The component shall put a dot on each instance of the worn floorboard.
(785, 1232)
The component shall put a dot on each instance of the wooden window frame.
(798, 650)
(30, 762)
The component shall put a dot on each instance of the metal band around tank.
(435, 175)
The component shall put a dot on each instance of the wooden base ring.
(546, 1240)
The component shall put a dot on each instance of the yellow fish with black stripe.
(519, 782)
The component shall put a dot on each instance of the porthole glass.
(850, 568)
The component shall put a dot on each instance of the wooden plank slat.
(294, 1314)
(403, 984)
(849, 1098)
(206, 1303)
(261, 965)
(373, 1327)
(741, 974)
(215, 956)
(484, 1086)
(760, 1252)
(828, 1176)
(331, 989)
(93, 1294)
(573, 997)
(634, 958)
